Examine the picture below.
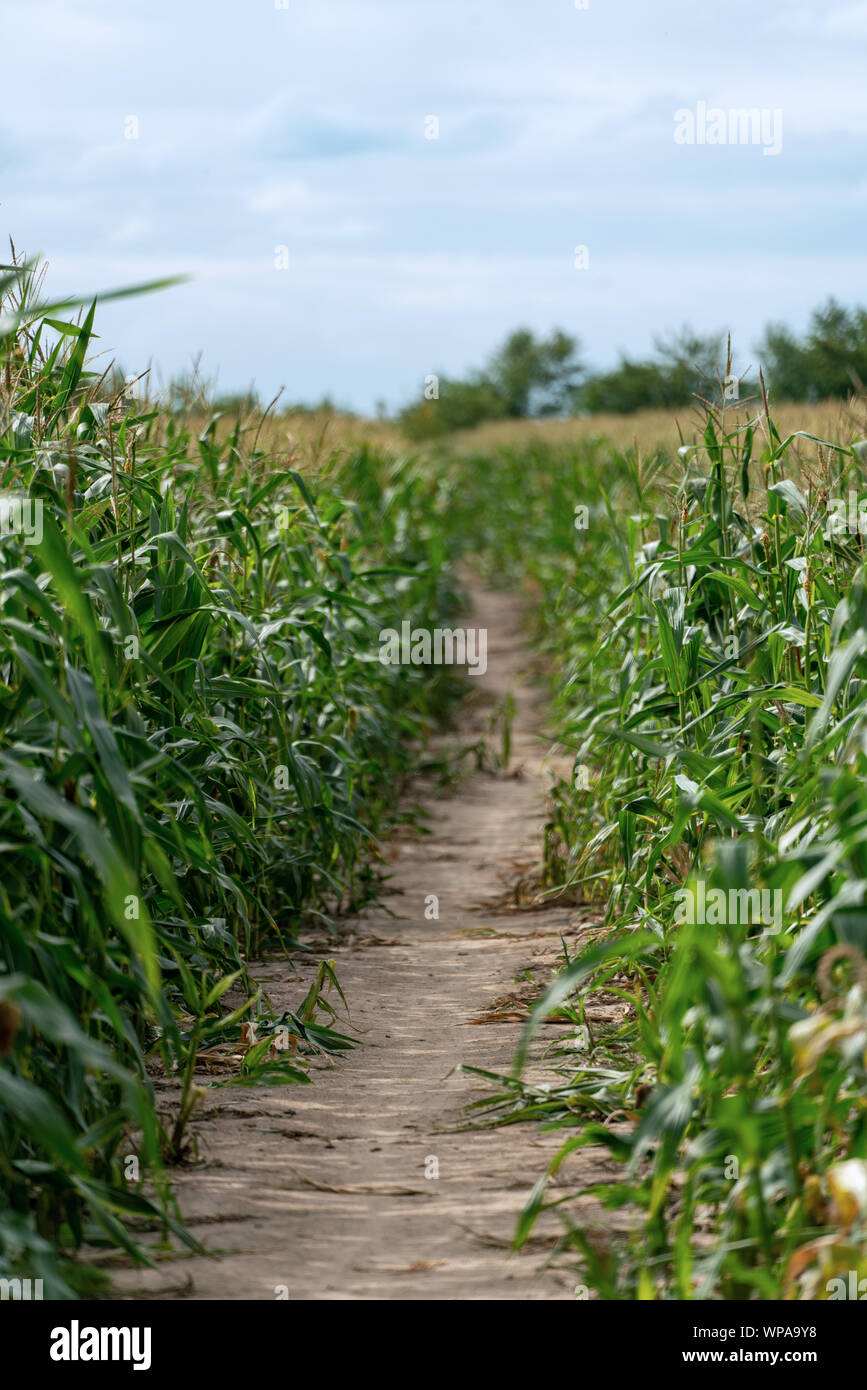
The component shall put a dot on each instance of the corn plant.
(705, 619)
(198, 751)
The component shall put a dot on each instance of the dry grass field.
(313, 438)
(665, 429)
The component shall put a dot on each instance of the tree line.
(532, 376)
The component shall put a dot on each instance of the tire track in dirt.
(321, 1191)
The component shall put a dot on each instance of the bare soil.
(326, 1191)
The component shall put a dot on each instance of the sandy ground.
(326, 1191)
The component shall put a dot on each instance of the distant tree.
(531, 376)
(837, 348)
(536, 376)
(631, 385)
(785, 363)
(831, 360)
(526, 376)
(459, 406)
(237, 402)
(685, 365)
(690, 363)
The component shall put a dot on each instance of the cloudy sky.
(281, 159)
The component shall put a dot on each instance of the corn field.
(202, 758)
(198, 752)
(705, 621)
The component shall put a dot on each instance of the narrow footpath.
(359, 1186)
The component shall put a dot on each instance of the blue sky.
(304, 127)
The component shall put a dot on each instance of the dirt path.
(323, 1189)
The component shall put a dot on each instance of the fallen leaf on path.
(532, 1242)
(363, 1189)
(496, 1018)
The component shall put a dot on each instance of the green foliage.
(830, 360)
(535, 376)
(684, 367)
(459, 405)
(529, 377)
(526, 376)
(198, 747)
(706, 625)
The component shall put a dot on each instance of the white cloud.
(847, 21)
(304, 127)
(282, 195)
(839, 21)
(131, 230)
